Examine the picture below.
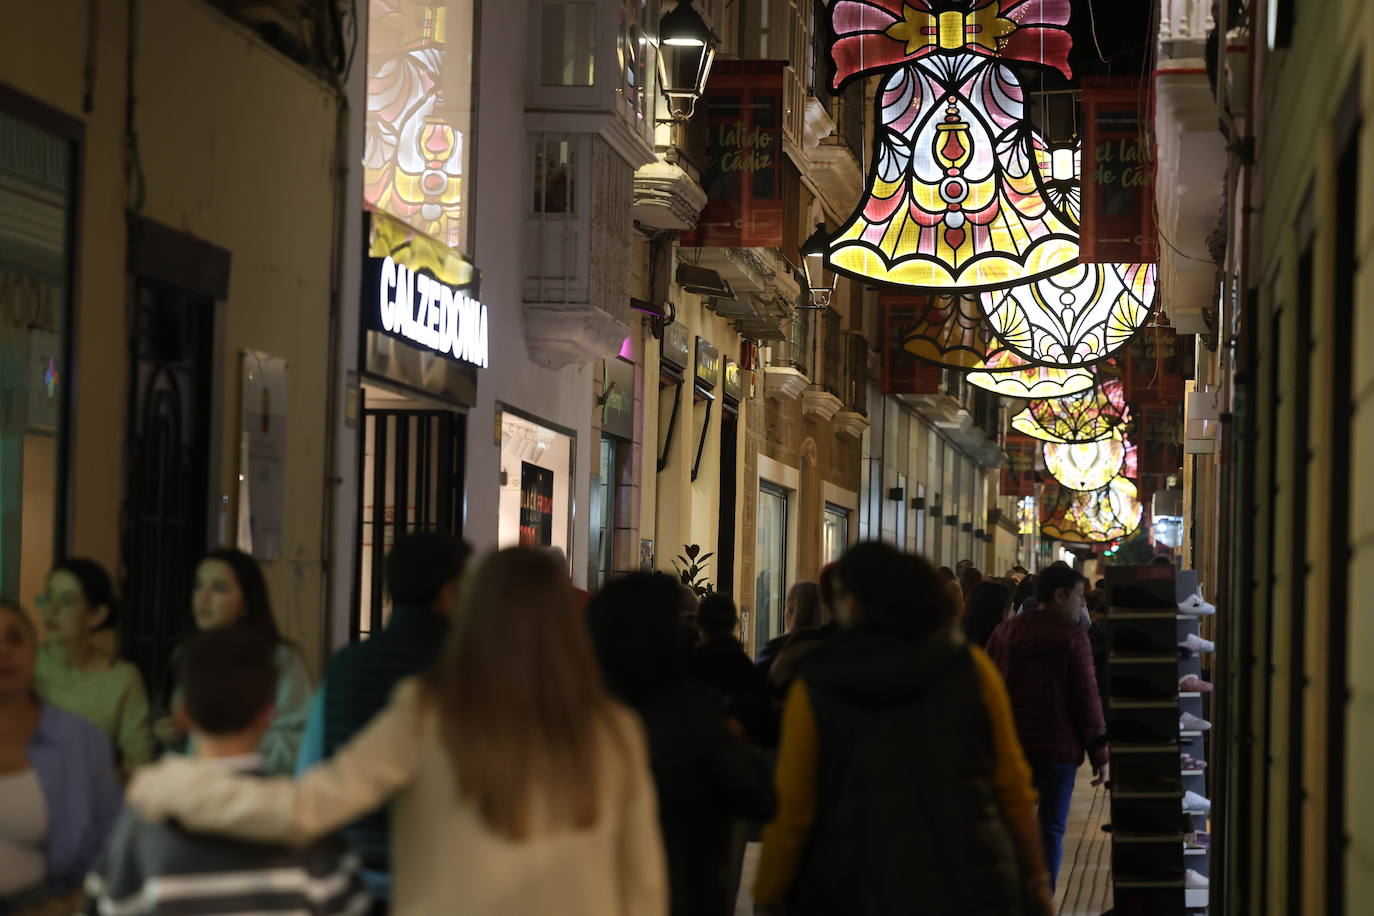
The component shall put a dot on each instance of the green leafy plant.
(691, 569)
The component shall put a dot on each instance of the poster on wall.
(262, 455)
(1118, 223)
(536, 505)
(744, 158)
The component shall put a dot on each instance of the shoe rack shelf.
(1153, 835)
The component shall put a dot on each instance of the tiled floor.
(1085, 877)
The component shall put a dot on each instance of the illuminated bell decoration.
(954, 199)
(948, 330)
(1076, 317)
(1028, 381)
(1085, 465)
(820, 280)
(1085, 417)
(686, 51)
(1107, 514)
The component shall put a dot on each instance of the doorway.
(412, 480)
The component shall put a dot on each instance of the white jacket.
(444, 859)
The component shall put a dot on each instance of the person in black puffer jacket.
(705, 775)
(902, 787)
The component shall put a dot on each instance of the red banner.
(1118, 221)
(1152, 368)
(903, 373)
(1158, 438)
(1019, 473)
(744, 157)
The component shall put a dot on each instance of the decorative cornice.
(666, 197)
(819, 404)
(563, 334)
(850, 424)
(783, 383)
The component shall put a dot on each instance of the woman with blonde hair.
(516, 783)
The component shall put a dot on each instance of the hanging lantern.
(1009, 375)
(1076, 317)
(946, 330)
(686, 51)
(819, 279)
(1085, 466)
(1085, 417)
(1107, 514)
(954, 199)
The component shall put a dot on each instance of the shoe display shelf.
(1194, 742)
(1147, 825)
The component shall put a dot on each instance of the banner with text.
(1118, 221)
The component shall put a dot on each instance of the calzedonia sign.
(419, 290)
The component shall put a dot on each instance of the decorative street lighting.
(820, 280)
(686, 50)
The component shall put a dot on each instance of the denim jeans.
(1054, 783)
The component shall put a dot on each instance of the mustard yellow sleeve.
(1011, 776)
(785, 838)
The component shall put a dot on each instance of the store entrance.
(412, 480)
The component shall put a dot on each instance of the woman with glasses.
(79, 668)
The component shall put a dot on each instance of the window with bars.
(554, 175)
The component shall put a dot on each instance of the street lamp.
(686, 50)
(819, 280)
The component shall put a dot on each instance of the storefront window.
(35, 205)
(536, 484)
(417, 149)
(836, 534)
(770, 587)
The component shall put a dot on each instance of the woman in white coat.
(517, 785)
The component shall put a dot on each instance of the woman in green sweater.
(79, 668)
(230, 589)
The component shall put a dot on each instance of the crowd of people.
(508, 745)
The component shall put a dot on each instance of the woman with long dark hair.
(230, 590)
(902, 787)
(516, 783)
(79, 668)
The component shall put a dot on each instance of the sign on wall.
(618, 399)
(744, 158)
(420, 291)
(1118, 222)
(708, 365)
(262, 455)
(1019, 473)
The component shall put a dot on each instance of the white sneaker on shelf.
(1195, 802)
(1194, 881)
(1195, 606)
(1191, 723)
(1195, 643)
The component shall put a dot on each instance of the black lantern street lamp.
(686, 50)
(820, 280)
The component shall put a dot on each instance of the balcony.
(1191, 164)
(786, 363)
(852, 420)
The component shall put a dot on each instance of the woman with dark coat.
(704, 774)
(901, 784)
(988, 606)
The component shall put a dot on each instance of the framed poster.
(536, 505)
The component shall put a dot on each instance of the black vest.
(907, 820)
(358, 683)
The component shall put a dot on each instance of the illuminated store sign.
(429, 312)
(419, 290)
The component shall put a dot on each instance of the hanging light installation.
(947, 330)
(1009, 375)
(954, 199)
(1085, 466)
(1106, 514)
(1076, 317)
(1085, 417)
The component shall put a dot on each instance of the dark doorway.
(412, 480)
(725, 524)
(171, 349)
